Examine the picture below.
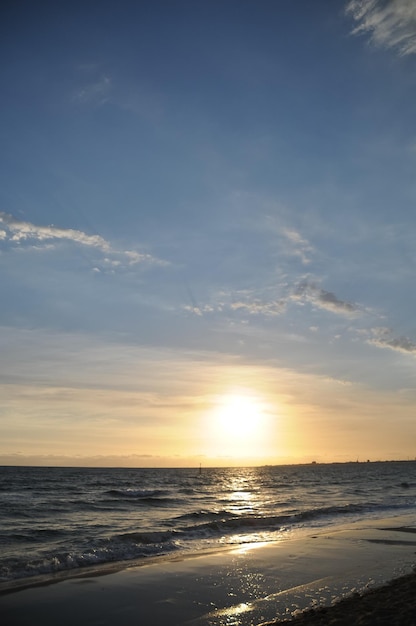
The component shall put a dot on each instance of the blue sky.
(204, 200)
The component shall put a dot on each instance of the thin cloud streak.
(251, 303)
(383, 338)
(257, 307)
(291, 242)
(307, 291)
(18, 233)
(390, 24)
(301, 247)
(97, 92)
(23, 231)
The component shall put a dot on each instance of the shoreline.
(15, 585)
(240, 585)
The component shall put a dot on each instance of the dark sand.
(245, 585)
(391, 605)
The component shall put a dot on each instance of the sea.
(61, 520)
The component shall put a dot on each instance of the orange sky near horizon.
(181, 411)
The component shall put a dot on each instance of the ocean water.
(64, 519)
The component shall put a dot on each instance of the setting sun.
(239, 415)
(237, 425)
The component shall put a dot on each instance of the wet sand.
(242, 586)
(391, 605)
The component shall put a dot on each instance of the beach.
(247, 585)
(393, 604)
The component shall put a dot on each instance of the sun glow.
(237, 425)
(238, 416)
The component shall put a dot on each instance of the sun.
(239, 426)
(238, 415)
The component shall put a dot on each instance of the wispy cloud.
(383, 338)
(140, 257)
(96, 92)
(198, 310)
(258, 307)
(241, 301)
(390, 23)
(19, 233)
(300, 246)
(310, 292)
(95, 87)
(291, 242)
(255, 303)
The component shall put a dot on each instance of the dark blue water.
(57, 519)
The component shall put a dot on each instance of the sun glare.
(237, 425)
(238, 416)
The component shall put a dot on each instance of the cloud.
(390, 23)
(140, 257)
(78, 460)
(291, 242)
(242, 301)
(18, 233)
(96, 92)
(323, 299)
(255, 303)
(199, 311)
(301, 247)
(257, 307)
(383, 338)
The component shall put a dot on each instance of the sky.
(207, 232)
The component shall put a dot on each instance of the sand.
(242, 586)
(391, 605)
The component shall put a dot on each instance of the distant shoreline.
(206, 467)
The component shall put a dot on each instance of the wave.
(135, 493)
(38, 535)
(150, 497)
(226, 524)
(205, 515)
(240, 524)
(108, 516)
(66, 561)
(140, 544)
(148, 537)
